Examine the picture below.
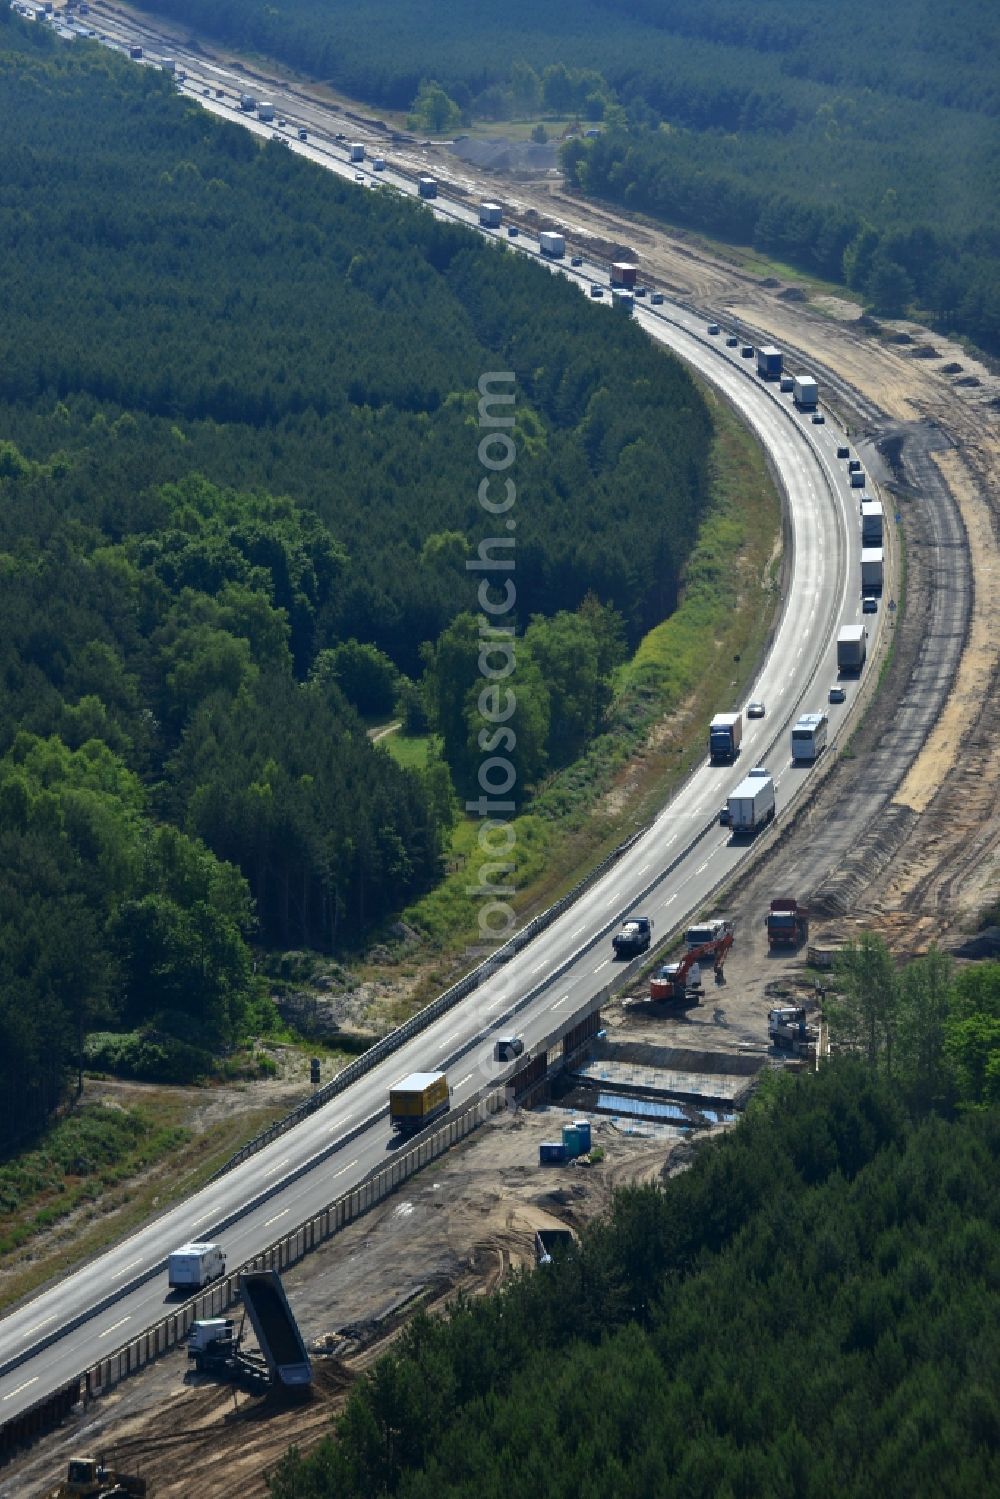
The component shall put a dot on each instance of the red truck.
(787, 923)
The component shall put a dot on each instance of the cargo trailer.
(624, 274)
(427, 187)
(417, 1100)
(872, 570)
(490, 215)
(769, 363)
(724, 735)
(552, 244)
(805, 392)
(852, 648)
(751, 805)
(871, 522)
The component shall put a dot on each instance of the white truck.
(265, 110)
(872, 570)
(552, 244)
(491, 215)
(356, 151)
(194, 1265)
(427, 187)
(805, 392)
(751, 805)
(852, 648)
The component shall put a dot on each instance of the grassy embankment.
(103, 1170)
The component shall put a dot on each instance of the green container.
(572, 1143)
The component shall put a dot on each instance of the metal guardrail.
(426, 1017)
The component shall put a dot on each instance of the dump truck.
(872, 520)
(195, 1265)
(751, 805)
(417, 1100)
(852, 648)
(552, 244)
(682, 979)
(624, 274)
(427, 187)
(724, 735)
(490, 215)
(805, 392)
(872, 570)
(787, 923)
(769, 363)
(91, 1478)
(633, 938)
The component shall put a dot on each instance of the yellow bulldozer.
(89, 1478)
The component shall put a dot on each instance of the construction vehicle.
(89, 1478)
(215, 1346)
(787, 923)
(787, 1028)
(635, 936)
(681, 980)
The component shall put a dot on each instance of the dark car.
(640, 291)
(577, 260)
(512, 231)
(725, 817)
(837, 694)
(869, 605)
(818, 418)
(713, 328)
(756, 708)
(843, 452)
(731, 342)
(596, 291)
(656, 298)
(747, 351)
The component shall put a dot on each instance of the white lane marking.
(452, 1036)
(701, 868)
(115, 1325)
(602, 965)
(495, 1002)
(539, 966)
(44, 1323)
(670, 901)
(340, 1123)
(269, 1221)
(128, 1267)
(27, 1384)
(644, 868)
(465, 1080)
(578, 930)
(559, 1002)
(272, 1169)
(345, 1168)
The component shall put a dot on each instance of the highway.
(668, 874)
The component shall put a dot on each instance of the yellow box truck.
(417, 1100)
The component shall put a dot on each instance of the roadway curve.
(671, 871)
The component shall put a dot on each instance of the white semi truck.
(751, 805)
(552, 244)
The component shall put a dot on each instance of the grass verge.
(107, 1167)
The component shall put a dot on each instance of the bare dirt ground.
(460, 1226)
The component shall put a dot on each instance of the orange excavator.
(678, 980)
